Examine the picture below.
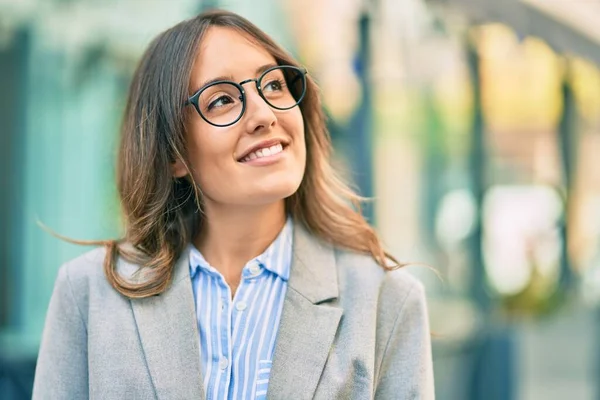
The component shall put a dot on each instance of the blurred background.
(473, 124)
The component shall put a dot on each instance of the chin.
(270, 194)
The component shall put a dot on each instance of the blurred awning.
(570, 27)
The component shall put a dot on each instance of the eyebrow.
(258, 71)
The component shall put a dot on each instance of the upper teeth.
(264, 152)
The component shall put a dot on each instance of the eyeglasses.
(223, 103)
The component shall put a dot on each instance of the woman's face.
(219, 156)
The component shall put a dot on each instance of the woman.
(246, 271)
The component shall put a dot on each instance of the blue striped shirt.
(237, 337)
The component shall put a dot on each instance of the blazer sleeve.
(406, 371)
(61, 371)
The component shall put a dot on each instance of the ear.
(178, 169)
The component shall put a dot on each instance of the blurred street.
(558, 356)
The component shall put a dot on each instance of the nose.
(260, 116)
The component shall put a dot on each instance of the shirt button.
(254, 270)
(223, 363)
(241, 306)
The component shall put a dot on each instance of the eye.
(220, 102)
(274, 85)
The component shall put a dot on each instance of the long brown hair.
(162, 213)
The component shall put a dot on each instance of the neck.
(232, 236)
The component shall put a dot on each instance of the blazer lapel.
(308, 323)
(169, 336)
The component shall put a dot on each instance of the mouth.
(263, 150)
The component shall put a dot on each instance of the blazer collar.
(170, 339)
(309, 320)
(313, 272)
(169, 336)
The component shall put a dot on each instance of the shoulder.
(360, 273)
(84, 275)
(391, 301)
(89, 267)
(84, 268)
(77, 279)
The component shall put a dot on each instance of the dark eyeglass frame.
(302, 72)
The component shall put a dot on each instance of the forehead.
(227, 52)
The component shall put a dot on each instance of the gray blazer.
(349, 330)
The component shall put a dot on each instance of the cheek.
(210, 155)
(300, 139)
(294, 125)
(297, 168)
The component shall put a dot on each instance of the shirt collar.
(277, 258)
(197, 261)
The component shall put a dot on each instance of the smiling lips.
(264, 152)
